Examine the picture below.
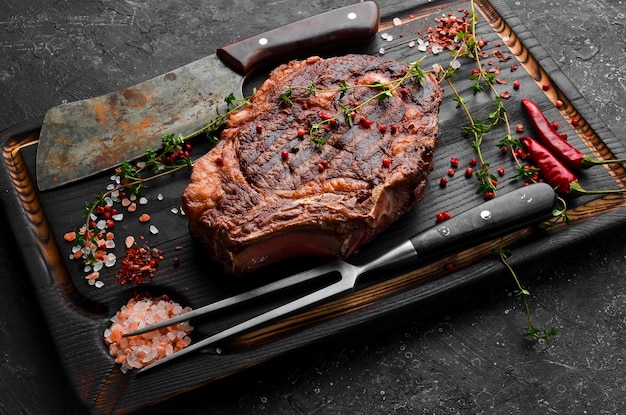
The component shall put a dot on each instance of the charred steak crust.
(251, 204)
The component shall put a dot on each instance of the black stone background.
(466, 359)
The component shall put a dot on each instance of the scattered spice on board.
(139, 265)
(135, 352)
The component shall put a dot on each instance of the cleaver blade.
(83, 138)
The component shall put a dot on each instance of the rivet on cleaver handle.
(86, 137)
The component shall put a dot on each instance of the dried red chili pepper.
(549, 137)
(555, 173)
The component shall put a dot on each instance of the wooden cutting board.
(78, 313)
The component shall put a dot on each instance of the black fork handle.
(503, 214)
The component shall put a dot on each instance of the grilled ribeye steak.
(268, 192)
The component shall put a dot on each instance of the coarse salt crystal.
(111, 186)
(397, 21)
(160, 196)
(389, 38)
(118, 217)
(384, 35)
(143, 200)
(174, 210)
(437, 49)
(154, 230)
(455, 64)
(99, 284)
(111, 259)
(411, 43)
(381, 51)
(110, 244)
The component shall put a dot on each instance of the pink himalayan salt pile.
(139, 351)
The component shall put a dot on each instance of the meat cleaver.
(82, 138)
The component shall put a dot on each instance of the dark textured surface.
(465, 359)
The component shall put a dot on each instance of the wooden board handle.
(350, 25)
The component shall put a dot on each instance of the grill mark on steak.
(254, 207)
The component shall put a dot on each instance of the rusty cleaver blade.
(82, 138)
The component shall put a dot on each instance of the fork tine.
(281, 284)
(345, 284)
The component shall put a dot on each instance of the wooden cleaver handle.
(349, 25)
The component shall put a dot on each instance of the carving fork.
(504, 214)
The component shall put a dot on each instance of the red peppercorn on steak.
(328, 153)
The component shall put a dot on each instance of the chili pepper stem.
(588, 161)
(575, 189)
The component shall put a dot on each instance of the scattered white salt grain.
(411, 43)
(118, 217)
(101, 224)
(455, 64)
(389, 38)
(154, 230)
(108, 201)
(397, 21)
(437, 49)
(143, 200)
(111, 186)
(110, 244)
(381, 51)
(99, 284)
(98, 266)
(111, 259)
(174, 210)
(384, 35)
(160, 196)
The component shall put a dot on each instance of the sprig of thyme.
(523, 295)
(384, 91)
(482, 81)
(173, 156)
